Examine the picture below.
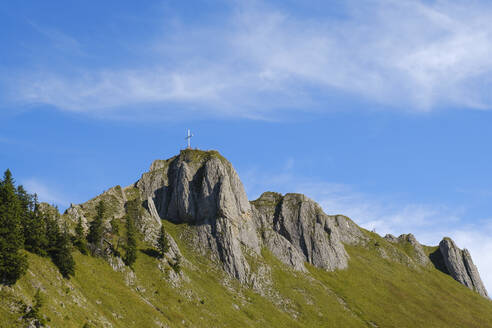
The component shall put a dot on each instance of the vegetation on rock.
(79, 240)
(96, 229)
(131, 233)
(162, 242)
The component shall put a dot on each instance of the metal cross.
(189, 138)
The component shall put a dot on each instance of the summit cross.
(188, 137)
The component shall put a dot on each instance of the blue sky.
(379, 110)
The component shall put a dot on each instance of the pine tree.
(115, 226)
(34, 311)
(12, 263)
(36, 240)
(52, 232)
(80, 242)
(62, 255)
(59, 245)
(162, 242)
(176, 264)
(132, 214)
(131, 242)
(37, 303)
(26, 203)
(96, 230)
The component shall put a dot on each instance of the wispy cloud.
(428, 222)
(45, 193)
(261, 59)
(59, 40)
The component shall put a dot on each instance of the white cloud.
(260, 60)
(428, 222)
(58, 39)
(45, 193)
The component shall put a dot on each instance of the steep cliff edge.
(460, 266)
(203, 190)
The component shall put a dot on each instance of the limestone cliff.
(460, 266)
(202, 190)
(296, 230)
(418, 252)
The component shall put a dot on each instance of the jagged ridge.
(202, 189)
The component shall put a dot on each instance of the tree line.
(23, 225)
(27, 224)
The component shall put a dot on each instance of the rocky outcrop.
(114, 200)
(295, 229)
(460, 266)
(203, 189)
(391, 238)
(418, 252)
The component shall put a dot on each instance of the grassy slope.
(373, 291)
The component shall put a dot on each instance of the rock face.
(295, 229)
(203, 190)
(460, 266)
(419, 254)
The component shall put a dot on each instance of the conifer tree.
(162, 242)
(35, 235)
(62, 255)
(52, 232)
(38, 302)
(26, 203)
(59, 245)
(115, 227)
(12, 263)
(96, 231)
(176, 264)
(33, 312)
(80, 242)
(131, 234)
(131, 242)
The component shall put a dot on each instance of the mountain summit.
(203, 190)
(278, 260)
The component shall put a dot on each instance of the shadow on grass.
(151, 252)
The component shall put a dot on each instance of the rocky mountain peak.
(203, 190)
(193, 186)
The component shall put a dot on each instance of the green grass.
(131, 193)
(372, 291)
(200, 156)
(268, 199)
(391, 294)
